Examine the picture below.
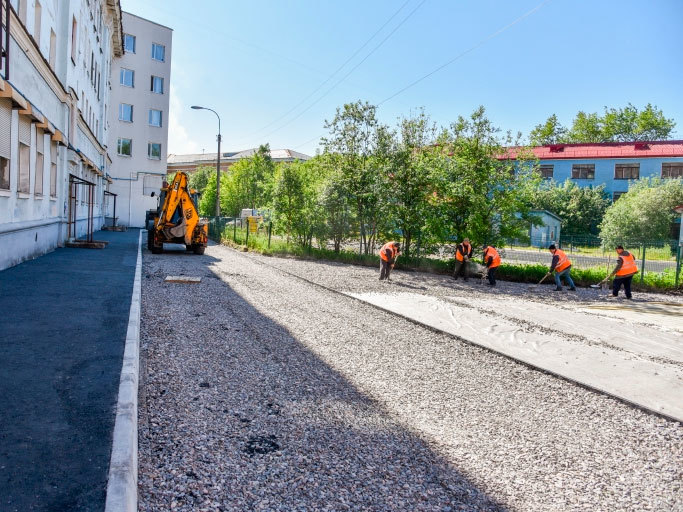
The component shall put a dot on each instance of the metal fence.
(660, 256)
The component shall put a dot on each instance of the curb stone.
(122, 485)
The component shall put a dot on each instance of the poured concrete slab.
(623, 359)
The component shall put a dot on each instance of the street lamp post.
(218, 161)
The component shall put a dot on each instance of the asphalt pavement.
(62, 333)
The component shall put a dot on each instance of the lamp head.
(196, 107)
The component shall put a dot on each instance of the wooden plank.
(183, 279)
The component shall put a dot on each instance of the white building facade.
(54, 100)
(138, 118)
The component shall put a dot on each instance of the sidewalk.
(62, 332)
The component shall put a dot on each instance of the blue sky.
(253, 61)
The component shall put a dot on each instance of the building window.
(38, 11)
(5, 139)
(157, 85)
(158, 52)
(626, 171)
(40, 162)
(127, 77)
(672, 170)
(617, 195)
(74, 39)
(154, 151)
(547, 171)
(24, 155)
(53, 49)
(155, 117)
(53, 169)
(126, 112)
(129, 43)
(125, 147)
(583, 171)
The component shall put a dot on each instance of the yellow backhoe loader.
(176, 220)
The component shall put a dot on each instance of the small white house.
(548, 231)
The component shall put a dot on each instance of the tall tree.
(480, 193)
(550, 132)
(409, 180)
(355, 136)
(628, 123)
(200, 178)
(580, 208)
(645, 212)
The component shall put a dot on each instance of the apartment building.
(54, 96)
(138, 118)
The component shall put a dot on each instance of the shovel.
(601, 284)
(534, 286)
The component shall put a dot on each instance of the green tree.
(550, 132)
(586, 128)
(338, 216)
(645, 212)
(358, 141)
(580, 208)
(207, 202)
(629, 124)
(250, 182)
(296, 206)
(479, 193)
(409, 183)
(200, 178)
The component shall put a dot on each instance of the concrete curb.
(122, 485)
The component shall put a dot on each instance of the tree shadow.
(232, 396)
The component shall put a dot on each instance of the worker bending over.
(463, 252)
(492, 262)
(624, 271)
(387, 258)
(562, 267)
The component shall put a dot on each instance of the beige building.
(54, 96)
(190, 162)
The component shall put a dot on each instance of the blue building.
(548, 231)
(612, 164)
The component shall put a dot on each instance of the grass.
(523, 273)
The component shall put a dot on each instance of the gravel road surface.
(262, 392)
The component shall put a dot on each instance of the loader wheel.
(198, 249)
(150, 243)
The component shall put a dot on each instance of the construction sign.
(253, 222)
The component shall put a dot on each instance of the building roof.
(645, 149)
(278, 155)
(546, 212)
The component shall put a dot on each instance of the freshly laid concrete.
(63, 329)
(641, 366)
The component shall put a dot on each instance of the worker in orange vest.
(624, 271)
(463, 253)
(492, 262)
(562, 266)
(387, 258)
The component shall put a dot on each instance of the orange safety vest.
(490, 251)
(383, 251)
(628, 265)
(466, 247)
(563, 263)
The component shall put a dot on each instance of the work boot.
(572, 289)
(557, 290)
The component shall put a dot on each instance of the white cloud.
(179, 142)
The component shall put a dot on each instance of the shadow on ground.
(237, 413)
